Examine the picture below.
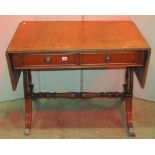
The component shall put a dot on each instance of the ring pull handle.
(48, 60)
(108, 58)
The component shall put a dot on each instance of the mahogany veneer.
(69, 45)
(29, 61)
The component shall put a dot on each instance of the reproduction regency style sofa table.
(78, 45)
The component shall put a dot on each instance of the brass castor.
(26, 131)
(131, 132)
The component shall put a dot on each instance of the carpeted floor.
(67, 118)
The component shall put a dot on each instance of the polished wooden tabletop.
(34, 36)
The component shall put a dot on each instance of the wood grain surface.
(34, 36)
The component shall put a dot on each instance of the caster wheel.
(26, 131)
(131, 132)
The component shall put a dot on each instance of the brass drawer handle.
(48, 60)
(108, 58)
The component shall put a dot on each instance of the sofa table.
(78, 45)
